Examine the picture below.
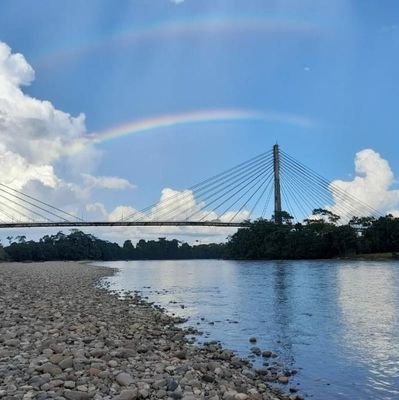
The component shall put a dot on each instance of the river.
(335, 322)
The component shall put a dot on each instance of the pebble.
(127, 395)
(124, 379)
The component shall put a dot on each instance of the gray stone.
(182, 355)
(130, 394)
(12, 342)
(124, 379)
(113, 363)
(283, 379)
(66, 363)
(207, 378)
(144, 393)
(52, 369)
(249, 373)
(75, 395)
(256, 350)
(172, 385)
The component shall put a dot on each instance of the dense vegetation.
(322, 237)
(80, 246)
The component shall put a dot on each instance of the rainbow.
(189, 118)
(181, 28)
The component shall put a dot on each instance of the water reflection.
(337, 323)
(368, 297)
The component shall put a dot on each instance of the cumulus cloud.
(372, 186)
(32, 128)
(16, 171)
(179, 206)
(38, 143)
(14, 68)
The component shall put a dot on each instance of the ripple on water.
(335, 322)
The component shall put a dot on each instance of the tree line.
(320, 237)
(78, 245)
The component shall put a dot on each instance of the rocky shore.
(64, 337)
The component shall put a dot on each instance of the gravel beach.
(64, 337)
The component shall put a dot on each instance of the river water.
(335, 322)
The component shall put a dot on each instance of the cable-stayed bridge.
(272, 185)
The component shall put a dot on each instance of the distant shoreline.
(372, 257)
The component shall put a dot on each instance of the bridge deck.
(215, 224)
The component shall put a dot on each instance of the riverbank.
(63, 337)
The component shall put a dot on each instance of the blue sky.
(332, 62)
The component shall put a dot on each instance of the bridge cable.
(19, 213)
(318, 192)
(247, 182)
(252, 178)
(261, 195)
(242, 175)
(261, 180)
(268, 198)
(10, 217)
(342, 207)
(211, 180)
(335, 188)
(321, 193)
(41, 202)
(237, 176)
(29, 209)
(249, 199)
(287, 200)
(294, 192)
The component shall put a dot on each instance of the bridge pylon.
(277, 188)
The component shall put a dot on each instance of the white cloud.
(177, 1)
(372, 185)
(14, 68)
(107, 182)
(97, 211)
(123, 212)
(37, 147)
(175, 206)
(16, 171)
(32, 128)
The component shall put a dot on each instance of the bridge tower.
(277, 189)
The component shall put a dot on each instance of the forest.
(78, 245)
(318, 238)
